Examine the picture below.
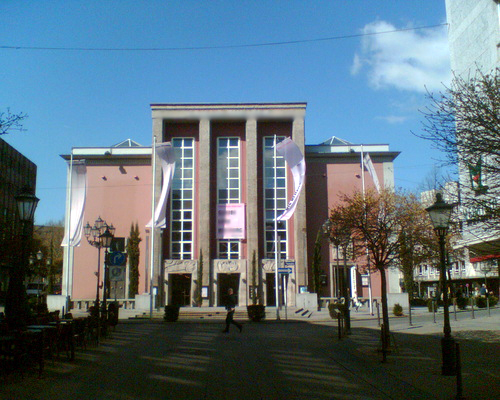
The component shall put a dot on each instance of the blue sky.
(364, 89)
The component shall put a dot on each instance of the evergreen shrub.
(397, 310)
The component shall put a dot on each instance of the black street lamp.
(440, 214)
(106, 240)
(100, 236)
(16, 307)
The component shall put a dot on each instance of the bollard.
(459, 372)
(488, 305)
(339, 323)
(434, 310)
(455, 309)
(409, 313)
(472, 304)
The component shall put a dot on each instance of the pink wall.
(122, 198)
(325, 184)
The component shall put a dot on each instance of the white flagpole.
(153, 228)
(68, 226)
(367, 255)
(276, 278)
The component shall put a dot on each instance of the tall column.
(300, 212)
(156, 246)
(204, 196)
(252, 198)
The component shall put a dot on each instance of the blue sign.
(285, 270)
(117, 258)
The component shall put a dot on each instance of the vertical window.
(228, 188)
(275, 199)
(182, 200)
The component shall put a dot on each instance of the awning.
(484, 258)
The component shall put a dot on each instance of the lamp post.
(50, 283)
(106, 240)
(36, 261)
(440, 214)
(335, 241)
(16, 307)
(100, 235)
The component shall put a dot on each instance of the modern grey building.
(474, 38)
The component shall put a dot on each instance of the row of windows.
(275, 199)
(181, 232)
(228, 188)
(228, 191)
(456, 268)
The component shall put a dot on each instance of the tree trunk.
(385, 308)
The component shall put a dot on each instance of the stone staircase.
(214, 313)
(219, 314)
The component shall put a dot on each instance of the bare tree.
(464, 123)
(9, 121)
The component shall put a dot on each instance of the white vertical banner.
(295, 160)
(371, 169)
(165, 153)
(77, 194)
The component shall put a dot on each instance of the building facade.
(474, 38)
(334, 168)
(118, 190)
(224, 157)
(226, 168)
(16, 173)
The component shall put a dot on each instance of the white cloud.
(393, 119)
(407, 60)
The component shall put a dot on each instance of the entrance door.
(180, 289)
(226, 281)
(271, 290)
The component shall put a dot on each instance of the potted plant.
(256, 312)
(171, 313)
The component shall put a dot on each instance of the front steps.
(219, 314)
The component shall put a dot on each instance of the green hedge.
(481, 301)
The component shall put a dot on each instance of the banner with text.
(231, 221)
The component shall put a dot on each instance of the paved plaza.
(300, 358)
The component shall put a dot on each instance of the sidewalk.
(275, 360)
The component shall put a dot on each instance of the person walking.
(230, 303)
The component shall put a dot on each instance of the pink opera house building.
(226, 185)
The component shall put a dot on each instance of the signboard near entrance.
(287, 268)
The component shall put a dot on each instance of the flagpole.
(153, 226)
(276, 281)
(68, 226)
(366, 248)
